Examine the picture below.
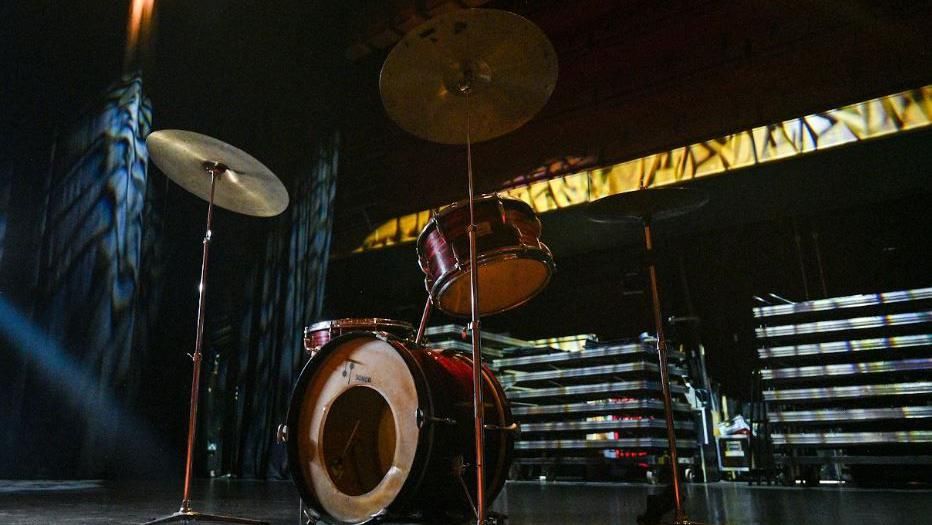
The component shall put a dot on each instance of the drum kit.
(380, 426)
(383, 427)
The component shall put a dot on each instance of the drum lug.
(459, 264)
(434, 213)
(308, 515)
(281, 434)
(421, 419)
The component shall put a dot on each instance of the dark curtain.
(286, 294)
(75, 381)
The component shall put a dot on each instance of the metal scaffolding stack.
(456, 337)
(594, 411)
(846, 380)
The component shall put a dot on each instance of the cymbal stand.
(465, 88)
(679, 517)
(186, 513)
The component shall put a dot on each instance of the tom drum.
(514, 265)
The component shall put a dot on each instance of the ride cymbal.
(654, 204)
(245, 185)
(505, 64)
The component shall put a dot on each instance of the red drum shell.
(378, 425)
(514, 265)
(320, 333)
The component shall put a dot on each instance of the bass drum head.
(353, 434)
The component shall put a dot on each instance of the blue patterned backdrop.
(79, 222)
(92, 238)
(93, 315)
(286, 294)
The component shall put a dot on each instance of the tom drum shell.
(514, 265)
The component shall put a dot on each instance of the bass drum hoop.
(337, 327)
(361, 324)
(410, 485)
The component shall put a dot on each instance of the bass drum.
(381, 427)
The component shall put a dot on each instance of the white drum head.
(504, 283)
(357, 428)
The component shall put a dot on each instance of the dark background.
(636, 77)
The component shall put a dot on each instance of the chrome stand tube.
(679, 516)
(185, 513)
(475, 326)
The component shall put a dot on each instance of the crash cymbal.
(505, 63)
(653, 204)
(246, 186)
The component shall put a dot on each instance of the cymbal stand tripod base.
(679, 516)
(185, 513)
(191, 515)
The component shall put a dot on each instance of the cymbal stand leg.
(680, 515)
(186, 513)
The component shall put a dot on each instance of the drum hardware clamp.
(421, 419)
(510, 428)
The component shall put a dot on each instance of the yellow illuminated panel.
(857, 122)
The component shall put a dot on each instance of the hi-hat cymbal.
(246, 186)
(505, 63)
(652, 204)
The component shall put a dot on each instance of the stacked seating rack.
(846, 381)
(594, 413)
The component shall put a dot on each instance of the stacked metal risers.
(583, 413)
(456, 337)
(848, 380)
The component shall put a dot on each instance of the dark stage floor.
(90, 502)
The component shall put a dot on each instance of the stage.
(401, 252)
(525, 503)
